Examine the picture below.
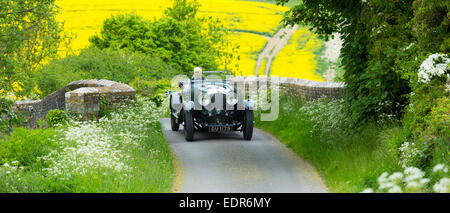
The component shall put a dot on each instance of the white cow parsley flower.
(443, 186)
(440, 167)
(435, 65)
(368, 190)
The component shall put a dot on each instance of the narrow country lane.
(227, 163)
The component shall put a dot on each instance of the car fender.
(188, 105)
(175, 100)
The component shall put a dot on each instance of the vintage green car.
(211, 105)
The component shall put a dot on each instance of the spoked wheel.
(188, 126)
(173, 121)
(248, 125)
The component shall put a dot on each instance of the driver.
(198, 74)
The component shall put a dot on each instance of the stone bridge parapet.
(82, 97)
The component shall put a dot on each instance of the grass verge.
(315, 130)
(124, 152)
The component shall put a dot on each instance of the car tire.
(188, 126)
(248, 125)
(173, 121)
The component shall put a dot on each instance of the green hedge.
(121, 66)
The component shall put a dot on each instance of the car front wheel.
(173, 121)
(188, 126)
(248, 125)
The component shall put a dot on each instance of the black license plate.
(220, 128)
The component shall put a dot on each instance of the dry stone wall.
(299, 87)
(312, 89)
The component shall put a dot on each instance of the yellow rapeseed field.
(249, 46)
(297, 59)
(250, 21)
(83, 18)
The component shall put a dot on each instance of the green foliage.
(124, 31)
(126, 152)
(374, 89)
(106, 107)
(29, 35)
(441, 150)
(339, 70)
(424, 98)
(291, 3)
(326, 116)
(438, 131)
(154, 89)
(431, 24)
(121, 66)
(395, 137)
(427, 120)
(8, 118)
(179, 38)
(384, 42)
(183, 10)
(322, 63)
(40, 122)
(56, 117)
(424, 138)
(439, 119)
(25, 146)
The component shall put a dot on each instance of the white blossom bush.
(413, 180)
(86, 147)
(99, 145)
(440, 168)
(410, 154)
(326, 115)
(443, 186)
(435, 65)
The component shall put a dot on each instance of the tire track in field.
(273, 47)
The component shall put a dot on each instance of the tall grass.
(348, 161)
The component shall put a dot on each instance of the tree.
(29, 35)
(183, 10)
(431, 25)
(180, 38)
(92, 63)
(374, 33)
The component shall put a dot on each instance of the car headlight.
(232, 99)
(204, 99)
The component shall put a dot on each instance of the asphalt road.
(226, 163)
